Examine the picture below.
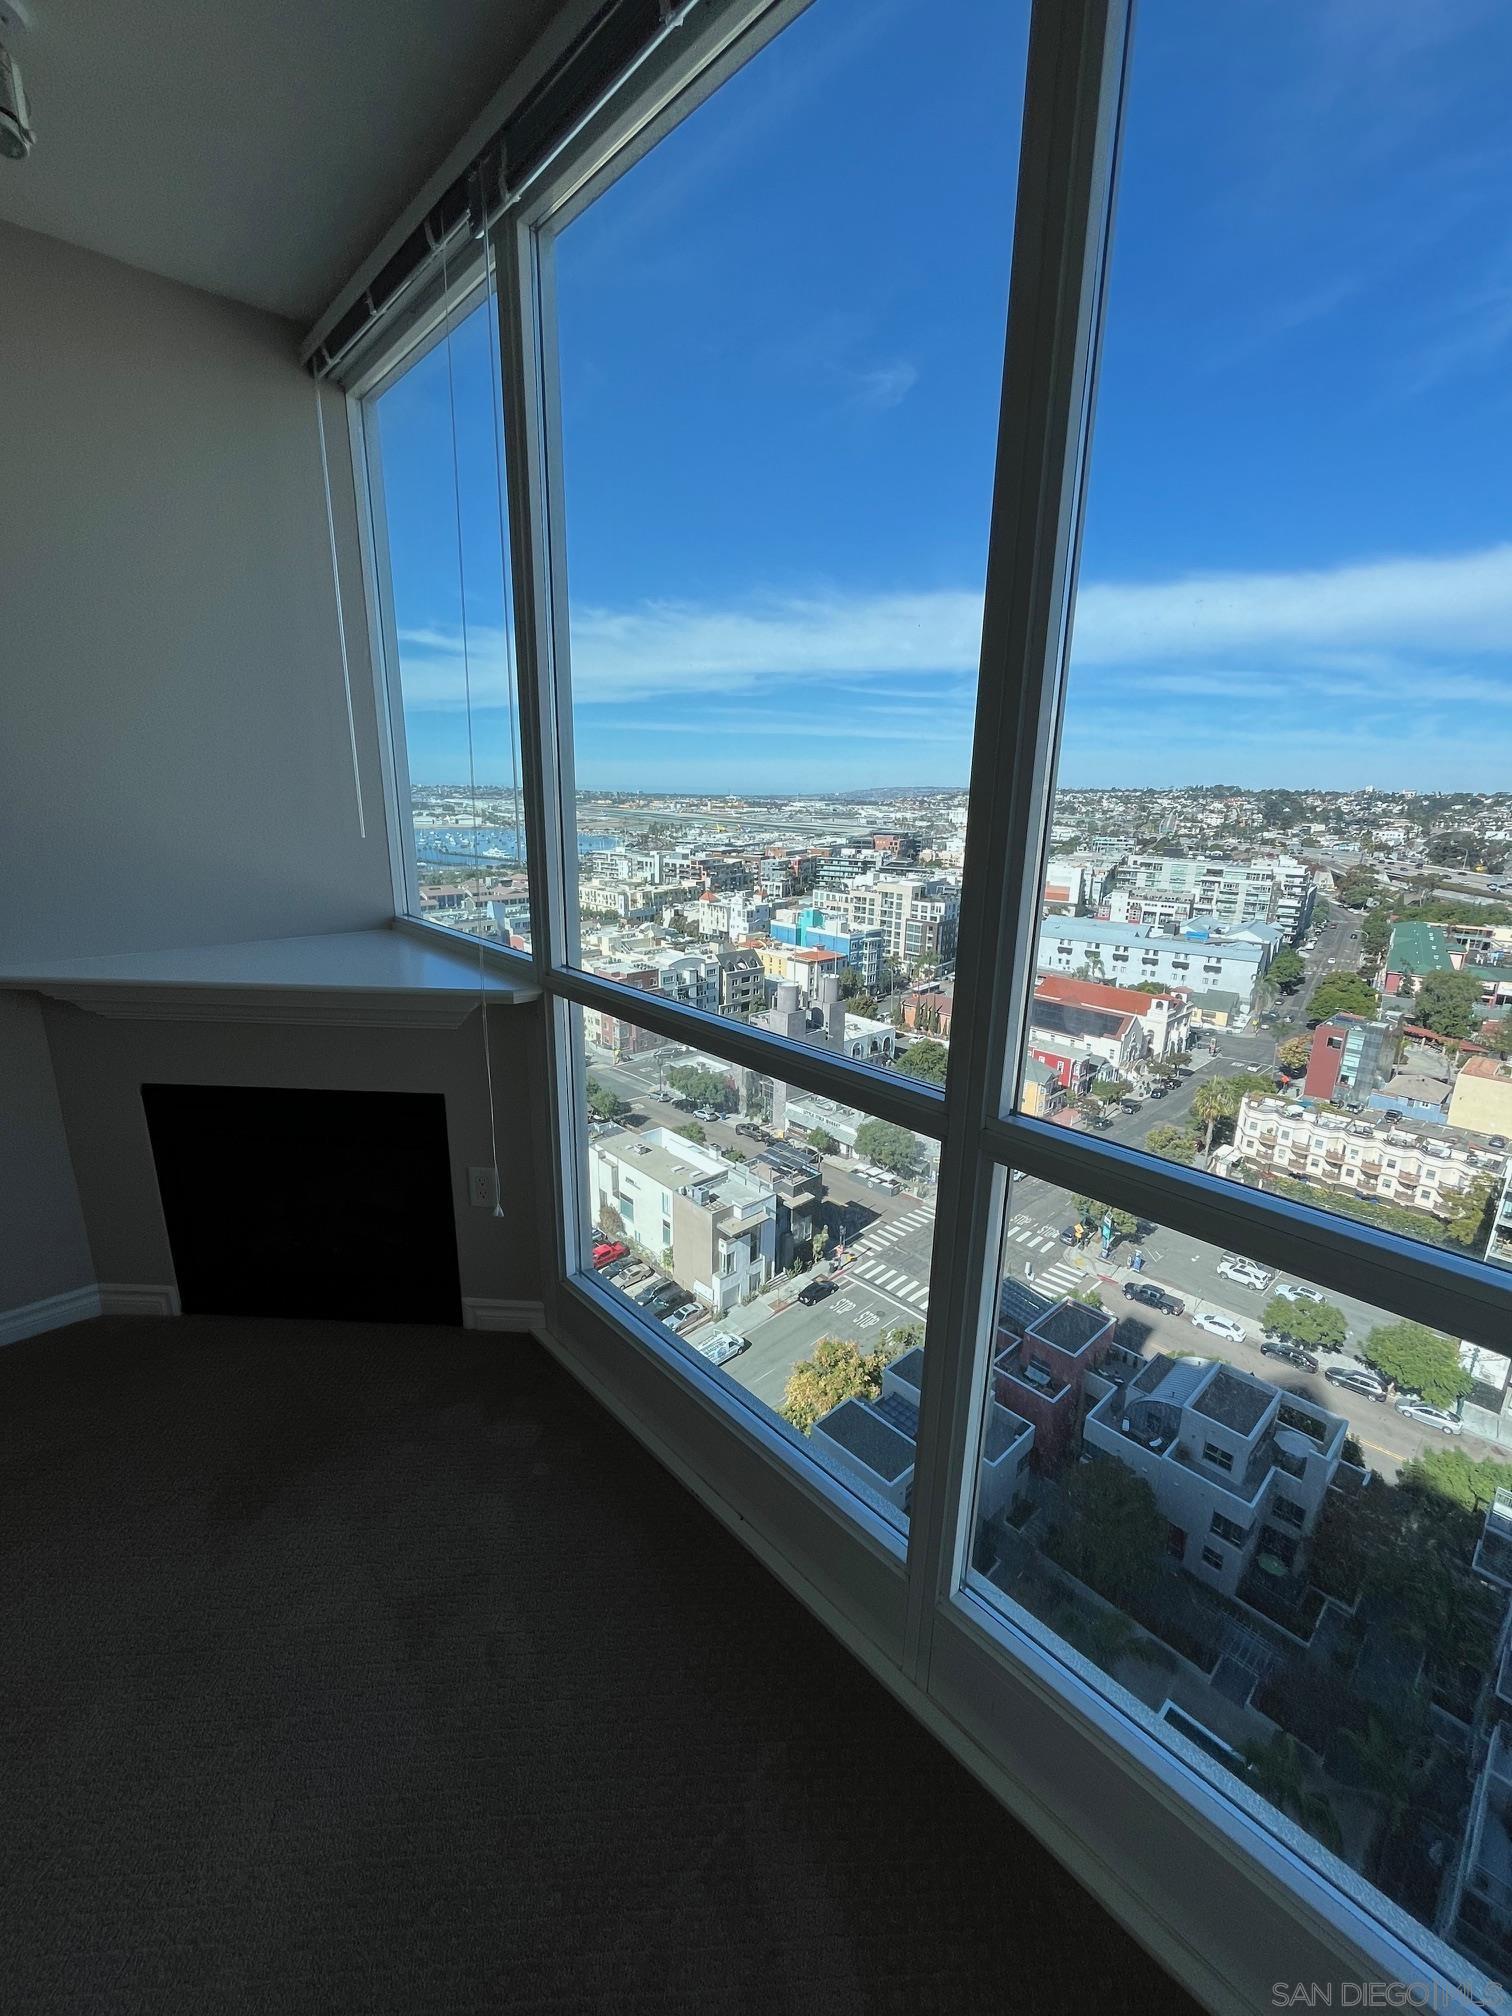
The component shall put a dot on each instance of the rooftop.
(1419, 948)
(1076, 1019)
(1235, 1400)
(1071, 1326)
(862, 1432)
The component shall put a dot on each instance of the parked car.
(722, 1347)
(608, 1250)
(705, 1113)
(1220, 1326)
(1356, 1379)
(1068, 1235)
(1128, 1105)
(1153, 1297)
(1243, 1273)
(1431, 1416)
(682, 1315)
(1272, 1345)
(815, 1292)
(1293, 1291)
(1159, 1091)
(748, 1129)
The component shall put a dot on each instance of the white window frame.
(1228, 1893)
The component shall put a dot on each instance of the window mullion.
(1072, 97)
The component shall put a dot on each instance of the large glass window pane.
(434, 448)
(1276, 1523)
(781, 339)
(782, 1237)
(1282, 829)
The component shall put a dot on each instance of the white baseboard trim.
(76, 1305)
(133, 1298)
(482, 1312)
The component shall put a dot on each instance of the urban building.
(1239, 1469)
(1420, 1166)
(1349, 1057)
(1041, 1362)
(1166, 1019)
(1481, 1102)
(917, 915)
(800, 967)
(1201, 957)
(927, 1010)
(1113, 1040)
(818, 929)
(874, 1441)
(1042, 1092)
(714, 1226)
(742, 983)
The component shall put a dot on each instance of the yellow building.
(1482, 1098)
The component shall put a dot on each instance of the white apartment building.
(1409, 1162)
(1156, 889)
(1235, 1464)
(1231, 961)
(673, 1197)
(730, 913)
(690, 977)
(917, 915)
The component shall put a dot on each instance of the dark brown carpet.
(377, 1670)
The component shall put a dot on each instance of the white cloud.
(1378, 627)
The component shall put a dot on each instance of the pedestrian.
(1028, 1270)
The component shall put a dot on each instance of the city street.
(882, 1280)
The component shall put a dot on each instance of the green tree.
(1391, 1774)
(1278, 1772)
(1106, 1636)
(926, 1060)
(820, 1242)
(1497, 1035)
(703, 1086)
(691, 1131)
(1467, 1212)
(1092, 1214)
(602, 1103)
(1218, 1100)
(1419, 1360)
(1110, 1087)
(1446, 1003)
(1111, 1534)
(821, 1142)
(1293, 1054)
(837, 1369)
(1341, 994)
(888, 1145)
(1172, 1144)
(1287, 970)
(1357, 887)
(1317, 1324)
(1466, 1481)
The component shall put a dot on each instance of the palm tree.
(1278, 1772)
(1210, 1104)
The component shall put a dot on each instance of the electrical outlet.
(482, 1188)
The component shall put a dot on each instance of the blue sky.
(781, 340)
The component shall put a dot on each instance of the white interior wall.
(44, 1251)
(175, 760)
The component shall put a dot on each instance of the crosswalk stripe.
(888, 1276)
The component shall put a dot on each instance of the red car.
(608, 1250)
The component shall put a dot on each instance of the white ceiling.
(256, 148)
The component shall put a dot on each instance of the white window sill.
(383, 978)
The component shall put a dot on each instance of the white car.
(1220, 1326)
(722, 1347)
(1431, 1416)
(1244, 1273)
(1293, 1291)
